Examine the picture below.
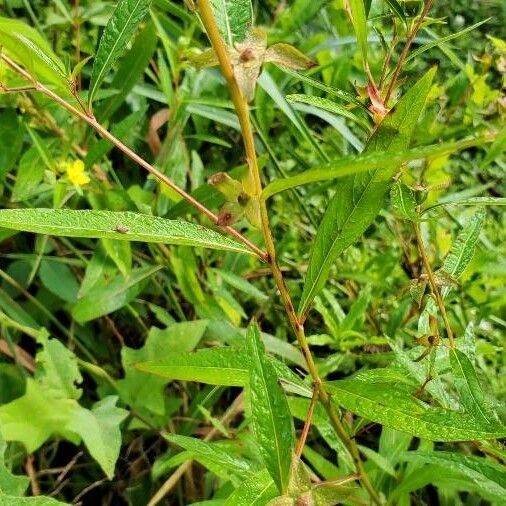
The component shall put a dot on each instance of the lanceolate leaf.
(254, 491)
(204, 452)
(271, 419)
(489, 478)
(359, 199)
(359, 19)
(27, 47)
(327, 105)
(122, 226)
(216, 366)
(469, 388)
(462, 250)
(394, 406)
(234, 18)
(120, 28)
(368, 161)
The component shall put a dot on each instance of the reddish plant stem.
(405, 50)
(103, 132)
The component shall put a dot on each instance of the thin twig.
(102, 131)
(433, 284)
(405, 50)
(242, 111)
(307, 425)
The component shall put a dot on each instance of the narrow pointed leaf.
(254, 491)
(271, 419)
(462, 250)
(469, 388)
(27, 47)
(394, 406)
(488, 478)
(215, 366)
(118, 32)
(122, 226)
(359, 199)
(327, 105)
(367, 161)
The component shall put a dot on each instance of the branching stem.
(103, 132)
(242, 111)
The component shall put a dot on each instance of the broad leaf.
(118, 32)
(234, 18)
(469, 388)
(10, 483)
(109, 297)
(271, 419)
(142, 391)
(7, 500)
(100, 431)
(60, 374)
(359, 199)
(122, 226)
(394, 406)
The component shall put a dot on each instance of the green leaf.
(59, 280)
(17, 422)
(215, 454)
(26, 46)
(459, 200)
(393, 405)
(488, 477)
(216, 366)
(10, 483)
(367, 161)
(254, 491)
(130, 71)
(469, 388)
(11, 140)
(403, 201)
(360, 198)
(117, 293)
(122, 226)
(7, 500)
(60, 373)
(397, 9)
(119, 30)
(359, 20)
(327, 105)
(462, 250)
(234, 19)
(99, 429)
(270, 414)
(288, 56)
(143, 391)
(414, 54)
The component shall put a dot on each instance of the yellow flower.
(76, 174)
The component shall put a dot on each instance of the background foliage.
(104, 400)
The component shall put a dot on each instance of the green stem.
(242, 111)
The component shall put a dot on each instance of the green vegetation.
(252, 253)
